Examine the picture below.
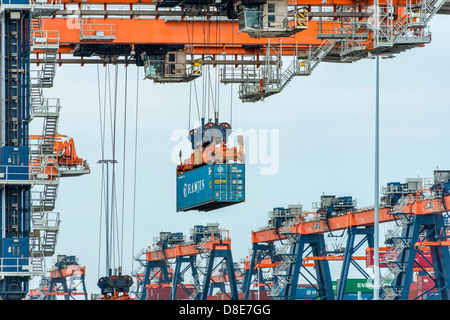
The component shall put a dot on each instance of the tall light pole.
(376, 253)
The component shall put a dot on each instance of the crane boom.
(358, 218)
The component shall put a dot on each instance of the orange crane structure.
(174, 39)
(67, 277)
(206, 244)
(418, 242)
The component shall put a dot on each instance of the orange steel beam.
(357, 218)
(67, 272)
(64, 293)
(186, 250)
(332, 258)
(299, 2)
(191, 33)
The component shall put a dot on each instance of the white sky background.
(326, 136)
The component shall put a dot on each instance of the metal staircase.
(397, 245)
(281, 272)
(274, 80)
(45, 222)
(306, 67)
(46, 42)
(199, 265)
(408, 29)
(136, 288)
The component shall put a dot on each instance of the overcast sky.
(325, 124)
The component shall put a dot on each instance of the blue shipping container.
(211, 187)
(305, 293)
(360, 296)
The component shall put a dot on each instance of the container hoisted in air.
(214, 175)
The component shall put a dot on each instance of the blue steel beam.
(323, 275)
(178, 274)
(218, 252)
(151, 265)
(433, 227)
(260, 251)
(350, 249)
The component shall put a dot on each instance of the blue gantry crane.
(28, 226)
(15, 111)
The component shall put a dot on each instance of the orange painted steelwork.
(356, 218)
(192, 33)
(299, 2)
(212, 154)
(67, 155)
(67, 272)
(187, 250)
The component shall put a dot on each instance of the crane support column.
(323, 274)
(152, 265)
(177, 275)
(220, 251)
(350, 249)
(259, 252)
(422, 230)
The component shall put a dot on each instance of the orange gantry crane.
(206, 244)
(67, 278)
(174, 39)
(419, 241)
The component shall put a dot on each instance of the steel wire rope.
(217, 74)
(231, 88)
(135, 166)
(190, 83)
(104, 190)
(114, 213)
(103, 156)
(124, 158)
(207, 79)
(190, 45)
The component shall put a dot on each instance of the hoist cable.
(231, 88)
(114, 226)
(217, 68)
(135, 164)
(102, 179)
(124, 159)
(190, 105)
(196, 99)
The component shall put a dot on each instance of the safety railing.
(28, 173)
(231, 74)
(49, 221)
(49, 106)
(90, 30)
(45, 39)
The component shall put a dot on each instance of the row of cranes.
(199, 254)
(66, 279)
(293, 246)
